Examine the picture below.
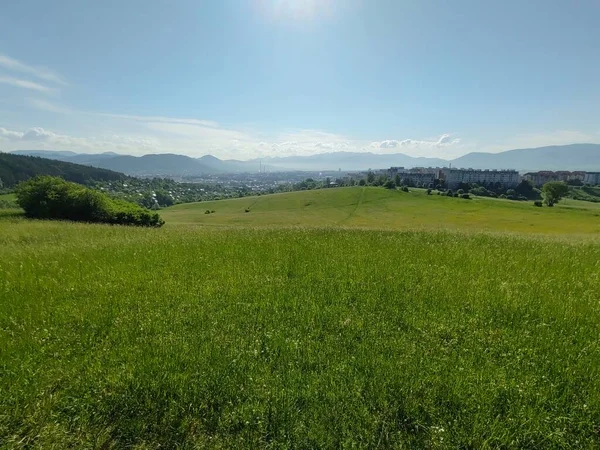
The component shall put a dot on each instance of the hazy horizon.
(269, 78)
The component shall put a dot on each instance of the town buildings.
(592, 178)
(454, 177)
(545, 176)
(414, 176)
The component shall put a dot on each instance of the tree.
(164, 198)
(398, 179)
(389, 184)
(554, 191)
(362, 182)
(370, 177)
(526, 189)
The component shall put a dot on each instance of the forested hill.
(16, 168)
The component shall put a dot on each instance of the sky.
(255, 78)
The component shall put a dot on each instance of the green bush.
(465, 196)
(538, 203)
(46, 197)
(389, 184)
(404, 188)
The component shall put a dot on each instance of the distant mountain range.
(565, 157)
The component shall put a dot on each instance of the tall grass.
(300, 338)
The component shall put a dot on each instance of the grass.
(243, 335)
(384, 209)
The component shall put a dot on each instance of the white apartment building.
(592, 178)
(453, 177)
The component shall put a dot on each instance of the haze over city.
(298, 77)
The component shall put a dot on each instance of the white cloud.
(25, 84)
(159, 119)
(44, 105)
(40, 138)
(38, 134)
(38, 72)
(445, 140)
(10, 135)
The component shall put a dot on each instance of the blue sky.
(240, 79)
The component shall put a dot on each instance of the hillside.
(377, 208)
(246, 332)
(17, 168)
(566, 157)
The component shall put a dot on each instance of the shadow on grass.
(11, 213)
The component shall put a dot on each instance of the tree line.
(17, 168)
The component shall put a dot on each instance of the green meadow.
(377, 208)
(338, 318)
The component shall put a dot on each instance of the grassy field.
(384, 209)
(243, 335)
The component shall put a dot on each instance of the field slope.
(240, 333)
(379, 208)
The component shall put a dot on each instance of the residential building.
(544, 176)
(592, 178)
(454, 177)
(416, 175)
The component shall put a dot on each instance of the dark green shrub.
(389, 184)
(465, 196)
(404, 188)
(449, 193)
(429, 191)
(47, 197)
(538, 203)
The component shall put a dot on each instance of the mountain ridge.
(558, 157)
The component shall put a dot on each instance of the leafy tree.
(389, 184)
(554, 191)
(527, 190)
(370, 177)
(381, 180)
(397, 180)
(362, 182)
(464, 187)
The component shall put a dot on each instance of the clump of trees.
(389, 184)
(554, 191)
(47, 197)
